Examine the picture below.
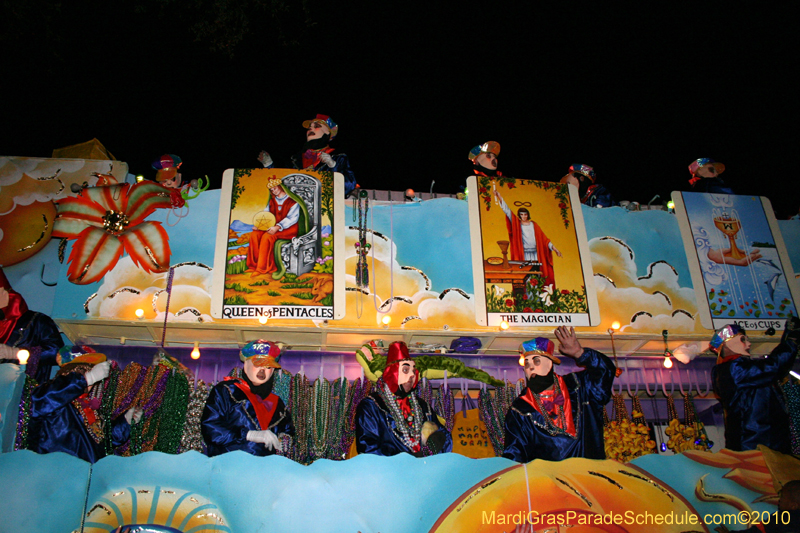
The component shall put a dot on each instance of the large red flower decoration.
(107, 220)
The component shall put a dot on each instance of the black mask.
(401, 393)
(491, 172)
(317, 144)
(263, 390)
(537, 383)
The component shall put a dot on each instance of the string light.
(140, 313)
(386, 320)
(503, 325)
(196, 351)
(667, 361)
(22, 356)
(139, 178)
(263, 319)
(615, 325)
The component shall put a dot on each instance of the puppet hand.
(568, 342)
(327, 159)
(428, 429)
(7, 352)
(265, 159)
(133, 415)
(98, 372)
(265, 437)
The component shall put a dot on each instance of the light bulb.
(139, 178)
(503, 325)
(386, 320)
(262, 319)
(615, 325)
(667, 362)
(139, 313)
(23, 355)
(196, 351)
(521, 360)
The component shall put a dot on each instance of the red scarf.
(265, 409)
(550, 402)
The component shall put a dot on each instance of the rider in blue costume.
(557, 417)
(317, 155)
(591, 193)
(65, 414)
(243, 413)
(749, 388)
(23, 328)
(392, 419)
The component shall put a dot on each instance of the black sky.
(637, 90)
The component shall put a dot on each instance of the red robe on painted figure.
(261, 252)
(543, 251)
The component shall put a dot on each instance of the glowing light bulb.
(386, 320)
(262, 319)
(140, 313)
(196, 351)
(504, 325)
(615, 325)
(521, 360)
(139, 178)
(22, 356)
(671, 205)
(667, 362)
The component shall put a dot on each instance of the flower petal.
(148, 246)
(94, 253)
(81, 209)
(144, 198)
(111, 198)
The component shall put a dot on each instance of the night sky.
(636, 90)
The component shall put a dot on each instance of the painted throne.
(299, 255)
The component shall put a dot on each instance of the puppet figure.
(484, 159)
(392, 419)
(243, 413)
(317, 154)
(705, 176)
(169, 177)
(591, 193)
(557, 417)
(23, 328)
(65, 412)
(749, 388)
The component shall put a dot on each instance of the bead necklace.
(402, 423)
(23, 420)
(173, 414)
(446, 404)
(107, 405)
(552, 428)
(319, 426)
(192, 438)
(360, 209)
(492, 417)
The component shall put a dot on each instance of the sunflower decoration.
(627, 438)
(691, 435)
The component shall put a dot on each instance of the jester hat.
(490, 147)
(167, 166)
(539, 346)
(262, 353)
(723, 335)
(697, 164)
(324, 120)
(398, 351)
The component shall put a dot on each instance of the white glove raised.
(98, 372)
(265, 437)
(265, 159)
(327, 159)
(133, 414)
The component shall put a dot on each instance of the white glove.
(99, 372)
(265, 159)
(133, 414)
(266, 437)
(327, 159)
(7, 352)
